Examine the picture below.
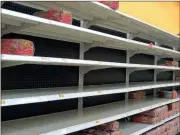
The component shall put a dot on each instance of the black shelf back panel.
(29, 110)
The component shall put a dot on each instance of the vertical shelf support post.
(155, 71)
(82, 50)
(128, 55)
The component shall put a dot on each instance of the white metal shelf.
(10, 60)
(26, 96)
(99, 14)
(32, 25)
(59, 123)
(131, 128)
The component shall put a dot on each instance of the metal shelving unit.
(89, 13)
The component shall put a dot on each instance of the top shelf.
(99, 14)
(31, 25)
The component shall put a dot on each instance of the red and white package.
(153, 112)
(112, 4)
(171, 63)
(157, 111)
(111, 126)
(17, 47)
(137, 95)
(56, 15)
(119, 132)
(145, 119)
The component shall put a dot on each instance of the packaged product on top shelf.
(137, 95)
(56, 15)
(112, 4)
(17, 47)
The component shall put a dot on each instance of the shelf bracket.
(131, 53)
(159, 57)
(87, 24)
(10, 64)
(131, 35)
(131, 70)
(85, 70)
(88, 46)
(10, 29)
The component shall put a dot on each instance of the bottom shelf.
(72, 121)
(131, 128)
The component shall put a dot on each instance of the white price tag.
(3, 102)
(97, 122)
(99, 92)
(61, 95)
(63, 131)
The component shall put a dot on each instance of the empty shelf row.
(26, 96)
(31, 25)
(11, 60)
(59, 123)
